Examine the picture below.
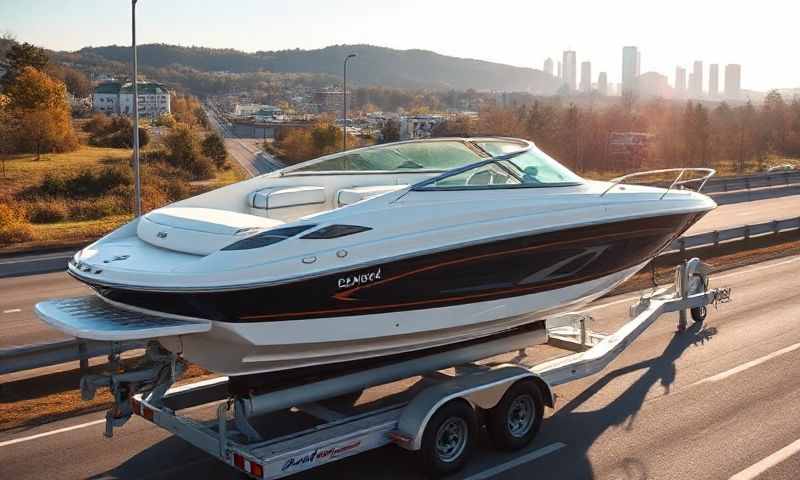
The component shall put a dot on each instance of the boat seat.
(349, 196)
(287, 203)
(199, 231)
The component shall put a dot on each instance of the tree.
(21, 56)
(40, 110)
(77, 83)
(214, 148)
(390, 131)
(184, 153)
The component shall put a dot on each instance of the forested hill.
(374, 66)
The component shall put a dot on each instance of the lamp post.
(344, 97)
(138, 180)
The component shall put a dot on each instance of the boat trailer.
(440, 419)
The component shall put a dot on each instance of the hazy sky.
(762, 35)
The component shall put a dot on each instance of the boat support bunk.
(440, 421)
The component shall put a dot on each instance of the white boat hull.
(256, 347)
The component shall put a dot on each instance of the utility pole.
(344, 97)
(136, 173)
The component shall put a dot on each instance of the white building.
(262, 113)
(116, 98)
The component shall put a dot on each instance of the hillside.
(374, 65)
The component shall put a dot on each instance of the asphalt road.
(748, 213)
(244, 151)
(712, 403)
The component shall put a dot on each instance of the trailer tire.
(699, 313)
(449, 438)
(517, 417)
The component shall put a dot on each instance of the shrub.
(49, 210)
(98, 208)
(115, 133)
(14, 227)
(99, 123)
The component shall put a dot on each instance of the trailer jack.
(152, 375)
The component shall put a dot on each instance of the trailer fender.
(483, 389)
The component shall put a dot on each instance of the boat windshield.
(528, 168)
(431, 156)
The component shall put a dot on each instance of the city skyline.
(309, 24)
(655, 83)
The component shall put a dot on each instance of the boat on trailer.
(372, 253)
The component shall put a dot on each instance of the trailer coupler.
(152, 375)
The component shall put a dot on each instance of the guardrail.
(760, 180)
(734, 234)
(16, 359)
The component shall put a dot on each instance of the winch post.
(682, 282)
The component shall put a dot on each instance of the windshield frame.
(297, 169)
(428, 185)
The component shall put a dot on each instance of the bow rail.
(708, 173)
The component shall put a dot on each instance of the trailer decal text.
(322, 455)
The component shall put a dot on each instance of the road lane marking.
(12, 310)
(747, 366)
(762, 466)
(51, 432)
(757, 268)
(498, 469)
(719, 276)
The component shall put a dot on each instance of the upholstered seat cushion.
(198, 231)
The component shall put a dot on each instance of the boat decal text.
(359, 279)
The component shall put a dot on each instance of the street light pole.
(138, 179)
(344, 96)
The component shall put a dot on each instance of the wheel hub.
(520, 416)
(451, 439)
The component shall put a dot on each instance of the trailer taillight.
(142, 410)
(254, 469)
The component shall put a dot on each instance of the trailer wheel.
(699, 284)
(516, 419)
(449, 438)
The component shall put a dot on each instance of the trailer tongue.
(439, 420)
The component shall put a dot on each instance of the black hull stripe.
(477, 273)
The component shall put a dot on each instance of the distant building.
(548, 66)
(680, 82)
(630, 69)
(586, 77)
(602, 84)
(696, 80)
(713, 80)
(570, 70)
(330, 101)
(115, 98)
(560, 73)
(259, 112)
(419, 126)
(653, 84)
(733, 81)
(628, 149)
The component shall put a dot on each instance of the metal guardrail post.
(83, 357)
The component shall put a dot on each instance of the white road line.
(762, 466)
(51, 432)
(715, 277)
(746, 366)
(12, 310)
(553, 447)
(757, 268)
